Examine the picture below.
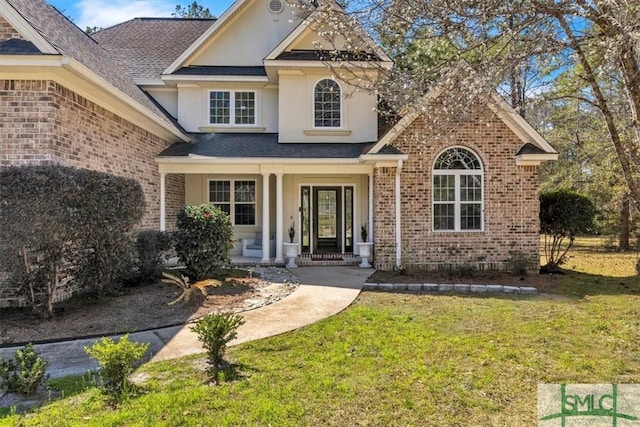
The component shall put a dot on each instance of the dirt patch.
(141, 308)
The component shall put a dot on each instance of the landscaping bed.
(144, 307)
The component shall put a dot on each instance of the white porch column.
(266, 256)
(163, 201)
(370, 231)
(279, 217)
(398, 218)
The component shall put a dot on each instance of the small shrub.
(466, 269)
(150, 245)
(215, 331)
(24, 372)
(116, 363)
(203, 239)
(518, 263)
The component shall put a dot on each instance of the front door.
(326, 215)
(327, 225)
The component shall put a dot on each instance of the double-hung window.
(236, 198)
(458, 191)
(232, 108)
(327, 106)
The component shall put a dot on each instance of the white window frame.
(232, 107)
(232, 202)
(313, 105)
(457, 202)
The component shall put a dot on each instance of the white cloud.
(105, 13)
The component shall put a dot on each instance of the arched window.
(326, 104)
(458, 191)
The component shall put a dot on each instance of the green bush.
(150, 246)
(203, 239)
(58, 222)
(116, 361)
(563, 214)
(215, 331)
(24, 372)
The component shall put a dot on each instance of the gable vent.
(276, 6)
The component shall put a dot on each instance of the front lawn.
(399, 359)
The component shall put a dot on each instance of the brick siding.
(511, 203)
(42, 122)
(7, 31)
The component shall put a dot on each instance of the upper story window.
(327, 104)
(232, 108)
(458, 191)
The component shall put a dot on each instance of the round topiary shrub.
(203, 239)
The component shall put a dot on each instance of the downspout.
(398, 218)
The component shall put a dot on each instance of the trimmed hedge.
(57, 221)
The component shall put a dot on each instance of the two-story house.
(244, 112)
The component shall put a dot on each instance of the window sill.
(232, 129)
(327, 132)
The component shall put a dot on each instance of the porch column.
(163, 201)
(370, 230)
(279, 217)
(266, 256)
(398, 217)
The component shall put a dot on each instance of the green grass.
(397, 359)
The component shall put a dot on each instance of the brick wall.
(7, 31)
(44, 122)
(510, 196)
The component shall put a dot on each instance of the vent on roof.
(276, 6)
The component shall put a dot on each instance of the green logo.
(588, 404)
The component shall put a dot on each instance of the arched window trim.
(339, 99)
(454, 182)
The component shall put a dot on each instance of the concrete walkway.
(323, 292)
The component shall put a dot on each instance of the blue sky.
(105, 13)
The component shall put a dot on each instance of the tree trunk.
(623, 244)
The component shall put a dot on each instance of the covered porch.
(323, 205)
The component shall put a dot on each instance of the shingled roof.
(261, 145)
(145, 47)
(71, 41)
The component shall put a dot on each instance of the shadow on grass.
(577, 284)
(566, 282)
(58, 388)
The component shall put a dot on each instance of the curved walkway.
(323, 292)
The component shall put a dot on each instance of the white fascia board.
(226, 16)
(323, 64)
(21, 25)
(196, 159)
(87, 74)
(385, 158)
(191, 78)
(31, 60)
(149, 82)
(518, 124)
(535, 159)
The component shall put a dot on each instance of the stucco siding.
(246, 45)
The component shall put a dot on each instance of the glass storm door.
(326, 216)
(327, 219)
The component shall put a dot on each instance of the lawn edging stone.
(458, 288)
